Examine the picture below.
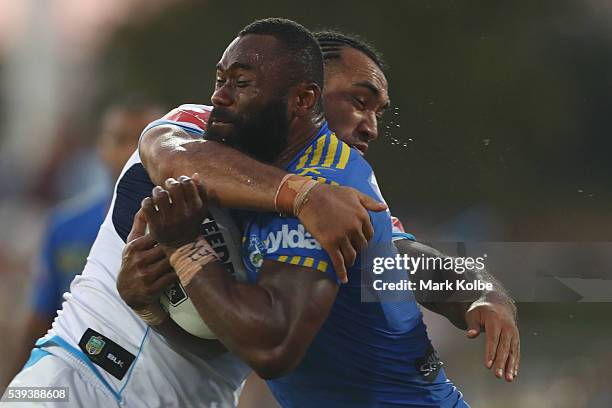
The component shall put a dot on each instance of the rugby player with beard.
(355, 98)
(315, 341)
(98, 350)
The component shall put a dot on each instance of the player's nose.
(222, 96)
(368, 127)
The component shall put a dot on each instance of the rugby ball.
(223, 235)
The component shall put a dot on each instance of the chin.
(220, 132)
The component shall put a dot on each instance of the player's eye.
(242, 84)
(359, 103)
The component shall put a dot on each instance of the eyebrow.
(235, 65)
(372, 88)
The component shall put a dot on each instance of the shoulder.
(190, 117)
(329, 160)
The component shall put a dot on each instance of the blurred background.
(500, 131)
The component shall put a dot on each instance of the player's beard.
(262, 134)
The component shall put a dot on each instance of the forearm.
(232, 179)
(244, 317)
(456, 305)
(453, 304)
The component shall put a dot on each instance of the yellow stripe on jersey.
(295, 260)
(304, 158)
(283, 258)
(307, 170)
(333, 183)
(344, 156)
(331, 151)
(316, 158)
(308, 262)
(322, 266)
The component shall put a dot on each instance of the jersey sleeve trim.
(403, 235)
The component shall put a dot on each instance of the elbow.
(275, 363)
(160, 151)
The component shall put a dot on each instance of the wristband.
(292, 193)
(153, 314)
(191, 258)
(302, 197)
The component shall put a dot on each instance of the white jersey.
(95, 326)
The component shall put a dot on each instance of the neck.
(301, 134)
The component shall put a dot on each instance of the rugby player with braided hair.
(314, 340)
(355, 98)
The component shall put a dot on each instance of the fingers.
(163, 282)
(518, 357)
(201, 187)
(139, 226)
(175, 191)
(148, 208)
(472, 318)
(180, 195)
(502, 349)
(139, 244)
(150, 256)
(156, 270)
(501, 357)
(137, 240)
(370, 204)
(493, 331)
(161, 199)
(190, 192)
(348, 252)
(512, 359)
(338, 262)
(359, 242)
(367, 229)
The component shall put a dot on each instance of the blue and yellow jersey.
(367, 354)
(327, 160)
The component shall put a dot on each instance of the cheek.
(246, 105)
(343, 119)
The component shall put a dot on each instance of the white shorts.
(54, 367)
(47, 370)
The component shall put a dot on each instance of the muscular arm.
(452, 304)
(235, 180)
(232, 178)
(269, 325)
(144, 273)
(491, 310)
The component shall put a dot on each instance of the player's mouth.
(221, 123)
(362, 147)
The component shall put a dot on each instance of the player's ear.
(304, 98)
